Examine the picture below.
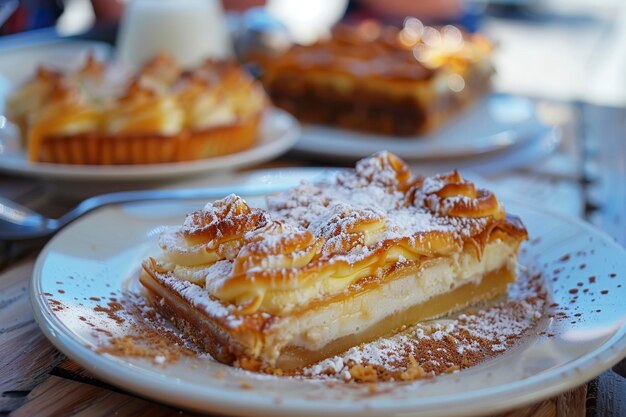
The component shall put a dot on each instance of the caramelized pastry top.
(371, 50)
(219, 94)
(159, 99)
(319, 240)
(29, 98)
(143, 110)
(68, 112)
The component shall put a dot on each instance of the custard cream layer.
(222, 108)
(318, 327)
(159, 115)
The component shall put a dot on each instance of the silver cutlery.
(19, 223)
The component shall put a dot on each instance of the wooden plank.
(26, 356)
(542, 409)
(63, 397)
(20, 189)
(608, 398)
(568, 404)
(69, 369)
(572, 403)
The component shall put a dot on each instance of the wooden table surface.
(586, 177)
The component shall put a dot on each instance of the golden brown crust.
(90, 117)
(381, 79)
(509, 229)
(314, 246)
(227, 219)
(222, 140)
(129, 149)
(204, 332)
(453, 196)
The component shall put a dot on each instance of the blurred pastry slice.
(61, 130)
(101, 116)
(23, 103)
(223, 107)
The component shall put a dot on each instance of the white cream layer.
(317, 328)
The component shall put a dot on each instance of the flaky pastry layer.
(160, 114)
(317, 240)
(382, 79)
(333, 258)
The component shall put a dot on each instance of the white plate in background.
(278, 132)
(496, 123)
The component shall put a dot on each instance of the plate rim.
(549, 383)
(306, 144)
(259, 153)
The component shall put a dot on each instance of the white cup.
(308, 20)
(189, 30)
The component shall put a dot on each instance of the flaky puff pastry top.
(161, 99)
(318, 240)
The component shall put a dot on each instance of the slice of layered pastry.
(103, 115)
(381, 79)
(329, 265)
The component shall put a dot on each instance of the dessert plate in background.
(18, 62)
(507, 160)
(278, 132)
(496, 123)
(99, 255)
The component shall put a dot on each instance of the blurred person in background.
(36, 14)
(28, 15)
(396, 10)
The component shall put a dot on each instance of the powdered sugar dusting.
(432, 185)
(358, 215)
(375, 191)
(419, 351)
(198, 297)
(439, 346)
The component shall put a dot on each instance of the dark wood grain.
(26, 356)
(568, 404)
(63, 397)
(608, 396)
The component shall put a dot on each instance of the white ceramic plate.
(278, 133)
(496, 123)
(507, 160)
(99, 253)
